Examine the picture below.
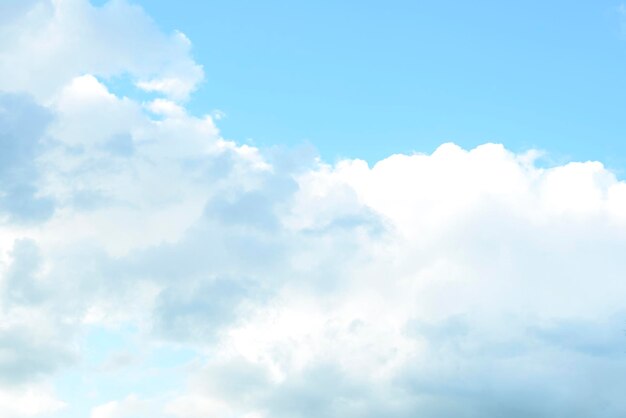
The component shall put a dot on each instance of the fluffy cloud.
(28, 403)
(68, 38)
(464, 283)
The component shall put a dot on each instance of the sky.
(320, 210)
(369, 79)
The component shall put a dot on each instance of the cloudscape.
(152, 266)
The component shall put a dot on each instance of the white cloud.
(16, 403)
(165, 108)
(129, 407)
(462, 283)
(190, 406)
(70, 38)
(172, 87)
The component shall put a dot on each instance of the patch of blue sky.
(369, 79)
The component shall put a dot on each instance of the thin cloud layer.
(150, 267)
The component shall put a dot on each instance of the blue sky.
(314, 210)
(369, 79)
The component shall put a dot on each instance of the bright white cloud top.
(150, 268)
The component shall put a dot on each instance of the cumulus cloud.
(69, 38)
(465, 283)
(505, 303)
(29, 403)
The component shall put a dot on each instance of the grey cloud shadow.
(22, 126)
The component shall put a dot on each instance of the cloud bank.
(149, 267)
